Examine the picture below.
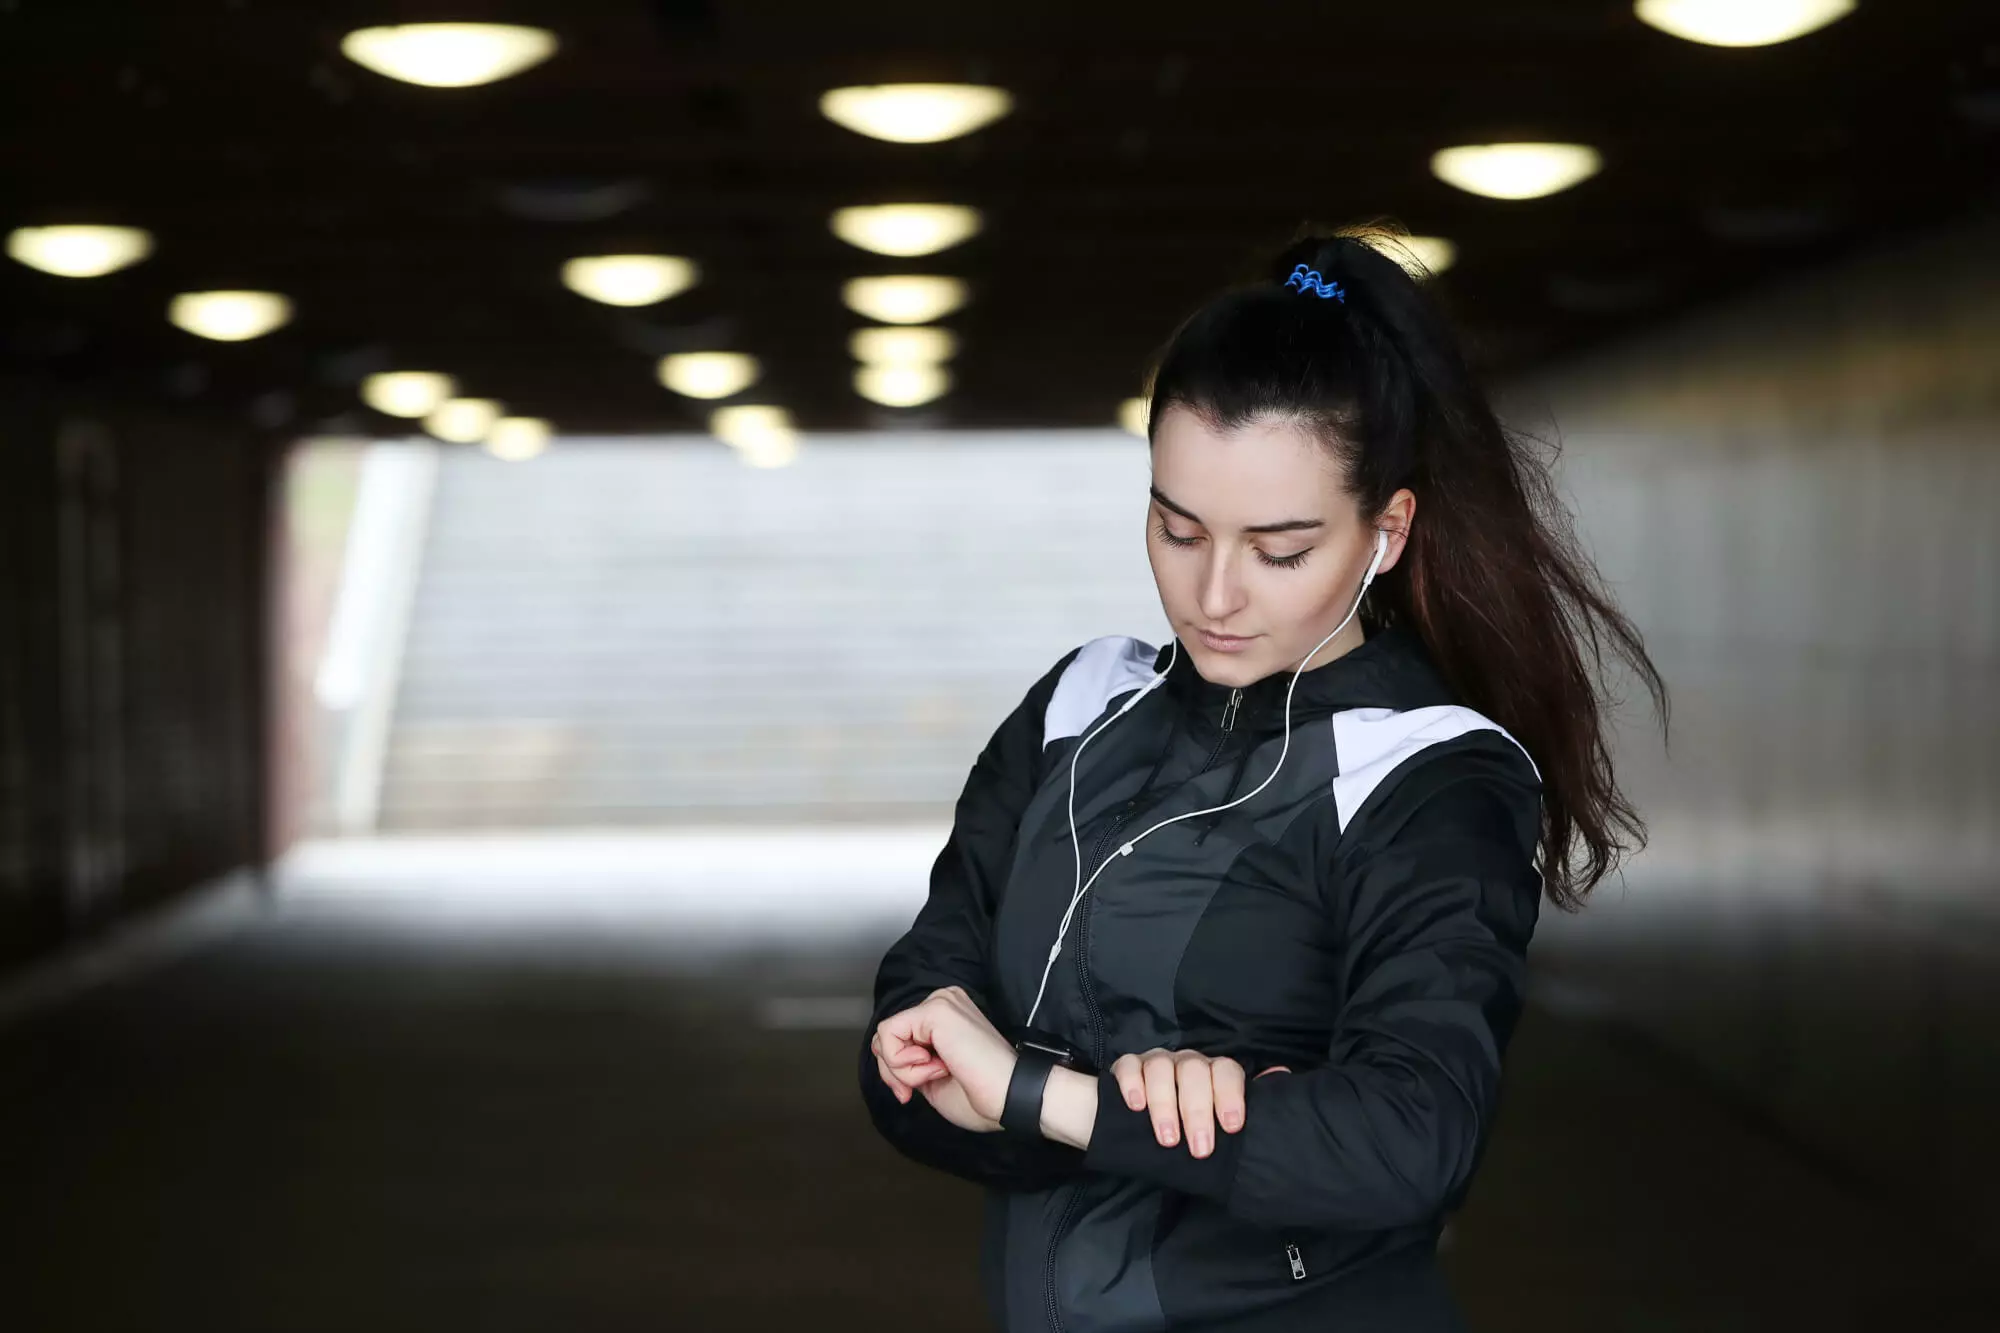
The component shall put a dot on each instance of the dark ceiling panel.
(1156, 150)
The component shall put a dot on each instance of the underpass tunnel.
(442, 879)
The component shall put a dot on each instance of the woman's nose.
(1221, 591)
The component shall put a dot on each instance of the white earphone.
(1083, 885)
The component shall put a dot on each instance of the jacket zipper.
(1096, 1019)
(1298, 1262)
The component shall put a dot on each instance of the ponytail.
(1492, 580)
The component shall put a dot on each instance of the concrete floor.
(438, 1086)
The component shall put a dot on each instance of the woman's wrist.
(1069, 1107)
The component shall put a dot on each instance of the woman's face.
(1252, 536)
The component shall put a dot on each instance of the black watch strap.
(1021, 1116)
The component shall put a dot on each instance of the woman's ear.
(1395, 519)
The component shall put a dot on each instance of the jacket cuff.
(1122, 1144)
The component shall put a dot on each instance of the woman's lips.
(1226, 643)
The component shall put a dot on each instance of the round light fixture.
(902, 346)
(1132, 414)
(905, 298)
(449, 55)
(752, 425)
(901, 386)
(79, 252)
(517, 439)
(463, 420)
(1741, 22)
(905, 229)
(1420, 256)
(915, 112)
(406, 393)
(709, 374)
(229, 316)
(629, 280)
(1516, 170)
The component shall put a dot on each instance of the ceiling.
(1155, 150)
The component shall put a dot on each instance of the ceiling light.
(901, 386)
(775, 451)
(448, 55)
(915, 112)
(905, 229)
(708, 374)
(1420, 256)
(751, 425)
(1741, 22)
(924, 346)
(406, 393)
(79, 252)
(905, 299)
(516, 439)
(1132, 416)
(1515, 170)
(463, 420)
(629, 279)
(229, 316)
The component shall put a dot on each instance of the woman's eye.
(1292, 561)
(1167, 536)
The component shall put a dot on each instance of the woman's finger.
(1275, 1069)
(902, 1094)
(1163, 1097)
(1227, 1075)
(1130, 1081)
(1197, 1099)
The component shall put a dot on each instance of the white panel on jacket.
(1104, 669)
(1369, 744)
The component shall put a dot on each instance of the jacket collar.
(1390, 669)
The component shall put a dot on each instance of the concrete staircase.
(649, 632)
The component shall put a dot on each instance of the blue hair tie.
(1309, 283)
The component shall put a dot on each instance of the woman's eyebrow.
(1288, 525)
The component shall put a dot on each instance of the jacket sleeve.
(1436, 901)
(948, 945)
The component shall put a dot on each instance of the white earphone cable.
(1125, 849)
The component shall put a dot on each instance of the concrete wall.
(1798, 498)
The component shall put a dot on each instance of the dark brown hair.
(1493, 581)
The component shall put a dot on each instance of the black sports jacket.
(1364, 920)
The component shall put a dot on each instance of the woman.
(1219, 962)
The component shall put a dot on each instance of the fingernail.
(1231, 1120)
(1132, 1102)
(1199, 1145)
(1169, 1135)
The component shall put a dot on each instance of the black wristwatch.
(1039, 1052)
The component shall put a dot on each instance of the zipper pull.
(1298, 1264)
(1229, 710)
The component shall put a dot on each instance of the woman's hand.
(946, 1049)
(1185, 1088)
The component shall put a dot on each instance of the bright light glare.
(923, 346)
(906, 229)
(751, 424)
(1132, 416)
(708, 374)
(904, 299)
(448, 55)
(1741, 22)
(901, 386)
(229, 316)
(1420, 256)
(771, 451)
(516, 439)
(629, 279)
(79, 252)
(463, 420)
(915, 112)
(1516, 170)
(406, 393)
